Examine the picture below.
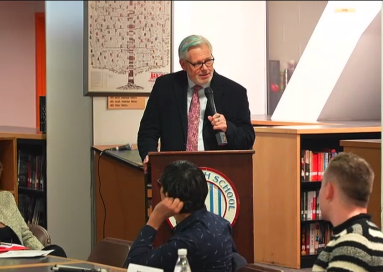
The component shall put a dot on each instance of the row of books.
(30, 170)
(310, 209)
(313, 164)
(32, 209)
(314, 237)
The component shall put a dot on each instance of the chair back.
(238, 261)
(41, 234)
(110, 251)
(258, 268)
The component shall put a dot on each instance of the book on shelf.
(316, 232)
(315, 237)
(310, 209)
(30, 170)
(314, 163)
(32, 208)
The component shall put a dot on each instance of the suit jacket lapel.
(180, 90)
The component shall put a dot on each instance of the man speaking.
(195, 109)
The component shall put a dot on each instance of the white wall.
(357, 93)
(290, 25)
(237, 31)
(17, 62)
(328, 54)
(69, 130)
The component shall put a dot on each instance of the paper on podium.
(25, 253)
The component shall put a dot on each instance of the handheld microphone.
(219, 134)
(121, 148)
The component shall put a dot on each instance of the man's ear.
(183, 64)
(329, 191)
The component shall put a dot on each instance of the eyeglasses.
(198, 65)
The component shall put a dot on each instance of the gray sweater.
(11, 216)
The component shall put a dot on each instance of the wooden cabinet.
(121, 194)
(8, 159)
(371, 151)
(23, 156)
(277, 185)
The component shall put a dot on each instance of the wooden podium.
(235, 165)
(120, 194)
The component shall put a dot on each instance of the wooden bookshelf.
(8, 158)
(277, 185)
(21, 133)
(370, 150)
(32, 143)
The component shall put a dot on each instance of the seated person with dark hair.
(13, 228)
(205, 235)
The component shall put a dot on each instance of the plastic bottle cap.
(182, 251)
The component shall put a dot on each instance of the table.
(43, 264)
(41, 261)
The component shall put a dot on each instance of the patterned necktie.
(193, 121)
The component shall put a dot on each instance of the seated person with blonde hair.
(357, 243)
(13, 228)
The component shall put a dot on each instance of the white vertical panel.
(381, 199)
(69, 131)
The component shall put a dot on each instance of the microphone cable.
(128, 146)
(99, 191)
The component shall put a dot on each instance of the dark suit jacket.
(165, 116)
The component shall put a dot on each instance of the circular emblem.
(222, 197)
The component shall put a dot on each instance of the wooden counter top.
(130, 157)
(21, 133)
(103, 147)
(366, 143)
(265, 120)
(347, 127)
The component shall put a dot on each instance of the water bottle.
(182, 264)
